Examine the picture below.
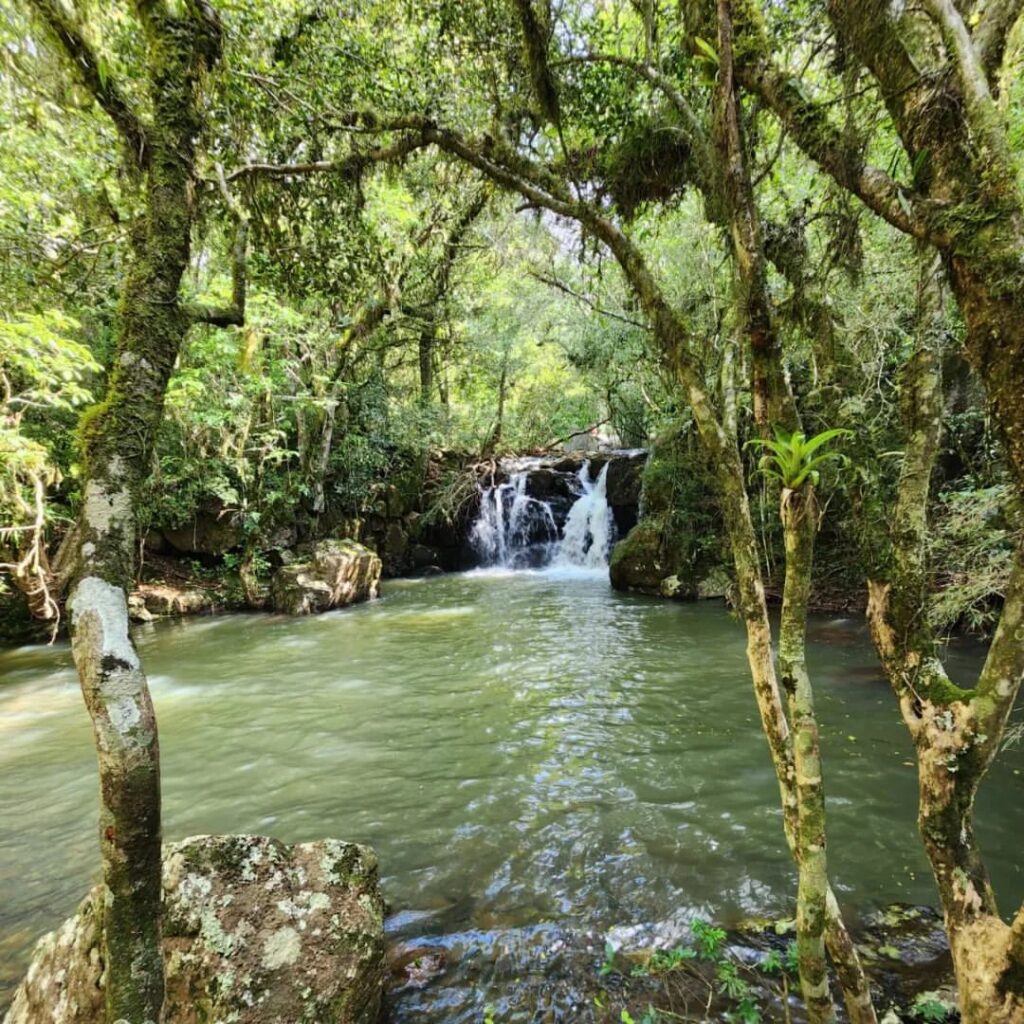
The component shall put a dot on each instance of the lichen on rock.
(255, 932)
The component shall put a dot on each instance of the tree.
(181, 43)
(935, 73)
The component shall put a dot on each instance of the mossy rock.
(645, 558)
(255, 932)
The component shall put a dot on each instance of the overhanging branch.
(349, 165)
(814, 133)
(91, 72)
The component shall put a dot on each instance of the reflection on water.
(519, 747)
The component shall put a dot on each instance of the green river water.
(522, 749)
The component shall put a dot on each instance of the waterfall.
(587, 535)
(512, 529)
(516, 530)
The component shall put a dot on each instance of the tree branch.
(1003, 672)
(349, 165)
(811, 129)
(993, 29)
(553, 282)
(91, 72)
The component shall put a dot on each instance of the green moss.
(651, 162)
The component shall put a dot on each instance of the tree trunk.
(799, 520)
(774, 405)
(956, 732)
(117, 444)
(771, 394)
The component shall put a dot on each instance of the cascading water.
(516, 530)
(589, 528)
(513, 529)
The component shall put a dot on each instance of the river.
(521, 748)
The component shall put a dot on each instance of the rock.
(396, 541)
(255, 932)
(717, 584)
(638, 562)
(671, 586)
(625, 479)
(137, 610)
(340, 573)
(422, 555)
(545, 484)
(164, 599)
(567, 464)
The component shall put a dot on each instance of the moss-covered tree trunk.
(956, 731)
(934, 72)
(774, 406)
(181, 40)
(933, 67)
(799, 521)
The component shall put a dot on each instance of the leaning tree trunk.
(956, 731)
(117, 446)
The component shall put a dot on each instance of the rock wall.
(255, 932)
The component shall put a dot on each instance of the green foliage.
(790, 458)
(709, 939)
(929, 1007)
(44, 377)
(972, 550)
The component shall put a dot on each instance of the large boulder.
(338, 573)
(625, 478)
(255, 932)
(640, 561)
(624, 486)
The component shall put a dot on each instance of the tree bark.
(772, 397)
(799, 521)
(956, 732)
(117, 444)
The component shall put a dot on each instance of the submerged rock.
(340, 573)
(255, 932)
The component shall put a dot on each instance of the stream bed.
(526, 751)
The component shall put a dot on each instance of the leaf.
(707, 49)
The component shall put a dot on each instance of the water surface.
(520, 748)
